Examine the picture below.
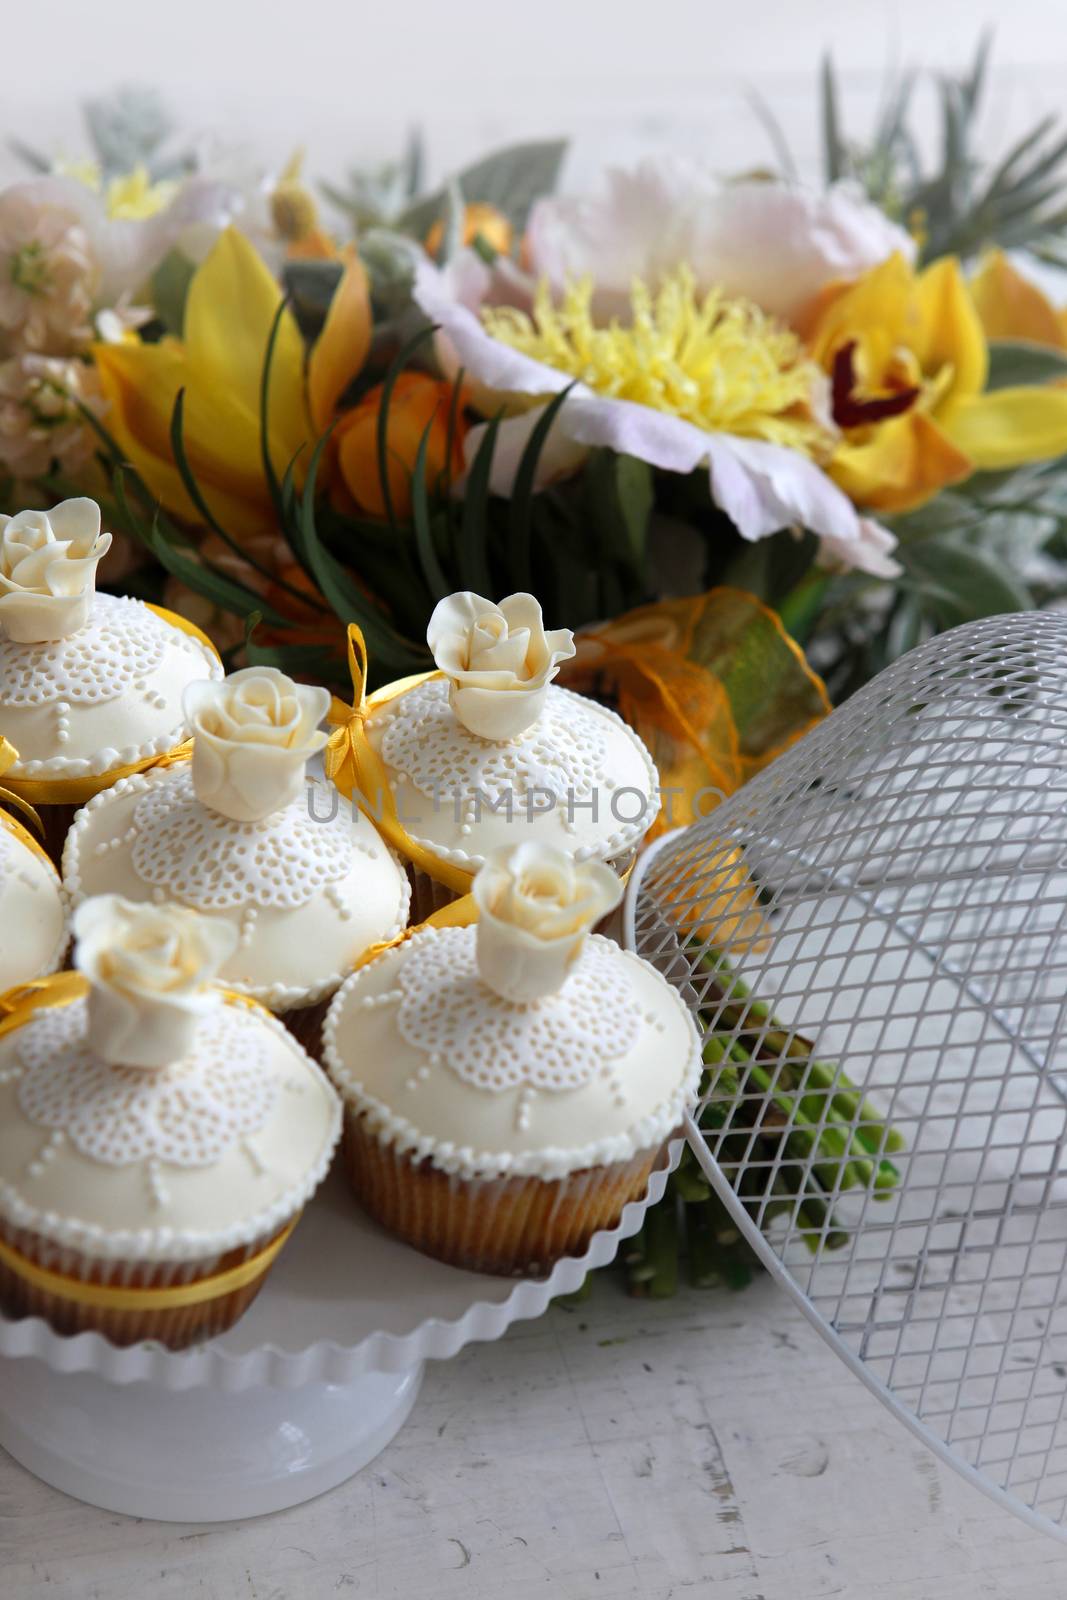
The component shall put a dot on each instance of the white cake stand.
(310, 1386)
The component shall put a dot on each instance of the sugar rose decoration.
(536, 905)
(499, 659)
(253, 735)
(48, 562)
(151, 969)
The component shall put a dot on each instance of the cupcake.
(91, 684)
(33, 908)
(240, 833)
(508, 1087)
(487, 751)
(158, 1135)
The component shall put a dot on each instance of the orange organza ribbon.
(717, 689)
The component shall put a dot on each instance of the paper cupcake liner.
(427, 895)
(500, 1225)
(176, 1327)
(56, 821)
(305, 1025)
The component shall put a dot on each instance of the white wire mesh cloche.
(873, 935)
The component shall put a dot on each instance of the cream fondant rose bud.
(536, 905)
(253, 735)
(48, 563)
(151, 970)
(499, 659)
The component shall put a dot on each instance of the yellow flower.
(1011, 307)
(480, 221)
(908, 363)
(134, 196)
(718, 363)
(232, 303)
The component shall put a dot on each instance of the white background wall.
(345, 77)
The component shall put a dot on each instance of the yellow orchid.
(232, 302)
(908, 362)
(1012, 307)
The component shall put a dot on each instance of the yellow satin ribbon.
(28, 792)
(457, 914)
(8, 756)
(108, 1297)
(359, 772)
(61, 988)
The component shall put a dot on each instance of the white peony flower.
(760, 423)
(253, 735)
(536, 905)
(151, 969)
(761, 485)
(48, 562)
(775, 243)
(498, 658)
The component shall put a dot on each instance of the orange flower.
(480, 221)
(417, 402)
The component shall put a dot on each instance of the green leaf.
(472, 555)
(510, 180)
(522, 491)
(833, 148)
(29, 157)
(340, 589)
(961, 583)
(436, 581)
(1020, 361)
(200, 577)
(636, 496)
(192, 487)
(170, 287)
(127, 128)
(311, 286)
(298, 660)
(396, 368)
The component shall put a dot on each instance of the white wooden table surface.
(706, 1447)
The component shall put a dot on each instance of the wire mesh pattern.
(873, 934)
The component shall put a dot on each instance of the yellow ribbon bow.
(359, 773)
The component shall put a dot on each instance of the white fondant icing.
(253, 735)
(559, 1041)
(33, 912)
(156, 1166)
(498, 660)
(620, 1082)
(307, 889)
(189, 1115)
(113, 690)
(561, 780)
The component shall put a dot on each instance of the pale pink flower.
(41, 426)
(47, 276)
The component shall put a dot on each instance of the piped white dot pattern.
(560, 1042)
(187, 1115)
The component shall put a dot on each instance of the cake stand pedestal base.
(196, 1455)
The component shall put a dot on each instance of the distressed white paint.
(709, 1448)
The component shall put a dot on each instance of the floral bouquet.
(753, 438)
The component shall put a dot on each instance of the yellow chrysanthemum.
(719, 363)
